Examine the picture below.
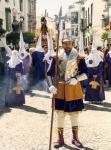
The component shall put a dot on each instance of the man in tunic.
(68, 95)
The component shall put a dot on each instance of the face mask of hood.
(14, 60)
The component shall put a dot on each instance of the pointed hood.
(95, 57)
(22, 51)
(50, 44)
(39, 45)
(14, 59)
(94, 46)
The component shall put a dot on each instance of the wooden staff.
(53, 99)
(44, 31)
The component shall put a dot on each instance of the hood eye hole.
(90, 61)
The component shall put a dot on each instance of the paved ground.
(27, 128)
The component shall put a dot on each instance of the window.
(91, 13)
(63, 25)
(35, 5)
(74, 18)
(76, 31)
(29, 5)
(14, 2)
(56, 26)
(21, 5)
(8, 19)
(88, 17)
(88, 39)
(86, 42)
(72, 32)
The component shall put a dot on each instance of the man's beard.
(67, 50)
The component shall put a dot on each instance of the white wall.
(4, 5)
(68, 25)
(97, 21)
(25, 13)
(98, 7)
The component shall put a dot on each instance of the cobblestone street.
(27, 128)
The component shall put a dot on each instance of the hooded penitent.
(22, 51)
(43, 47)
(39, 45)
(95, 57)
(95, 84)
(14, 59)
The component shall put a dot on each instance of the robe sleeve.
(51, 70)
(82, 66)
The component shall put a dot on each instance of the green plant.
(2, 31)
(28, 37)
(104, 35)
(14, 37)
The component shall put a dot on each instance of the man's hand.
(73, 81)
(53, 89)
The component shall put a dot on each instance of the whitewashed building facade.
(93, 11)
(20, 8)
